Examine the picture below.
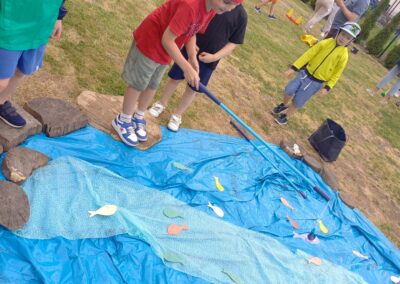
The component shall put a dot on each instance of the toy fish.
(322, 227)
(314, 260)
(171, 213)
(360, 255)
(236, 279)
(182, 167)
(218, 211)
(305, 238)
(218, 184)
(395, 279)
(286, 203)
(171, 257)
(106, 210)
(176, 229)
(293, 222)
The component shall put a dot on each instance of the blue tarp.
(253, 188)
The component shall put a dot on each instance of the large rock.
(288, 146)
(330, 178)
(58, 117)
(313, 163)
(14, 206)
(102, 109)
(20, 162)
(11, 137)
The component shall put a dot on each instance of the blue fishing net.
(62, 193)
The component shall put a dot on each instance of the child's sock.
(125, 117)
(139, 114)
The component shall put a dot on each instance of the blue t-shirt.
(356, 6)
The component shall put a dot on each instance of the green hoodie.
(27, 24)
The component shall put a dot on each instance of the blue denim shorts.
(302, 88)
(27, 61)
(205, 73)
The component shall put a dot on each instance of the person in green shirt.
(25, 29)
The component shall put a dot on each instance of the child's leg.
(8, 86)
(321, 10)
(187, 99)
(272, 8)
(326, 28)
(169, 89)
(262, 3)
(176, 118)
(131, 97)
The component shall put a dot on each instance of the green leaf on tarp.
(171, 213)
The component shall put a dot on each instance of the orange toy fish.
(293, 222)
(286, 203)
(175, 229)
(314, 260)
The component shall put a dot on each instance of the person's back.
(349, 10)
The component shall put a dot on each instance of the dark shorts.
(27, 61)
(332, 33)
(205, 73)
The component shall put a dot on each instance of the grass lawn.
(96, 39)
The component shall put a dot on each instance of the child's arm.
(168, 42)
(308, 55)
(191, 50)
(350, 16)
(57, 30)
(304, 59)
(225, 51)
(337, 72)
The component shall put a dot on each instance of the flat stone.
(313, 163)
(20, 162)
(11, 137)
(102, 109)
(287, 146)
(330, 178)
(347, 199)
(14, 206)
(58, 117)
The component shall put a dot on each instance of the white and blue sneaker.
(139, 125)
(125, 131)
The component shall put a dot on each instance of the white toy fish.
(360, 255)
(216, 210)
(395, 279)
(106, 210)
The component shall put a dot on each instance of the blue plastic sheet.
(253, 188)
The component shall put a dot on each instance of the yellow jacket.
(325, 61)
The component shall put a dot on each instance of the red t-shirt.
(184, 18)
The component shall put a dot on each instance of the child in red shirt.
(157, 40)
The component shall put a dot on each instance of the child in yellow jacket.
(319, 69)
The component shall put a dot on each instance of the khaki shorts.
(140, 72)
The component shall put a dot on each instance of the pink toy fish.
(286, 203)
(175, 229)
(314, 260)
(293, 222)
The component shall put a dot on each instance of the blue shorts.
(27, 61)
(302, 88)
(205, 73)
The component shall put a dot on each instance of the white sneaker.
(156, 109)
(174, 123)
